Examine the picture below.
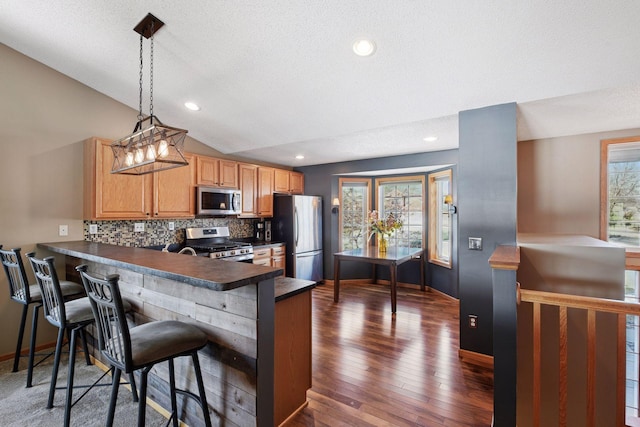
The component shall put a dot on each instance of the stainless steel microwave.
(218, 201)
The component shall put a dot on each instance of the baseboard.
(443, 294)
(294, 413)
(476, 358)
(25, 352)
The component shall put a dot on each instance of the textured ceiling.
(277, 78)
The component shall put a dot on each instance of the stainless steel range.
(215, 242)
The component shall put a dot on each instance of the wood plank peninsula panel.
(234, 303)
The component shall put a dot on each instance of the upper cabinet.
(265, 191)
(216, 172)
(248, 177)
(166, 194)
(288, 182)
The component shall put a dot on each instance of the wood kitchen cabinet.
(265, 192)
(271, 255)
(288, 182)
(166, 194)
(216, 172)
(248, 177)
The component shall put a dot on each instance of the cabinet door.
(228, 174)
(249, 189)
(174, 192)
(207, 171)
(112, 196)
(265, 192)
(281, 181)
(296, 183)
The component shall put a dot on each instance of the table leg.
(422, 273)
(393, 279)
(336, 279)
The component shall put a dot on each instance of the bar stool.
(70, 317)
(141, 347)
(22, 292)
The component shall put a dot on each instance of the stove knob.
(218, 254)
(233, 253)
(242, 251)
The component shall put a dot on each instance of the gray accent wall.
(487, 184)
(322, 180)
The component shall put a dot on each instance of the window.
(440, 218)
(620, 224)
(355, 204)
(620, 203)
(403, 196)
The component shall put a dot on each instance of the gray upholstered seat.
(141, 347)
(154, 341)
(25, 294)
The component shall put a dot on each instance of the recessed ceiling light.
(191, 106)
(299, 157)
(364, 47)
(431, 138)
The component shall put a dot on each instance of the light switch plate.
(475, 243)
(138, 227)
(93, 228)
(172, 226)
(63, 230)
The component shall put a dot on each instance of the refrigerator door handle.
(296, 231)
(311, 254)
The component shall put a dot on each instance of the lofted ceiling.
(278, 78)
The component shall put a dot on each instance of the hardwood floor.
(371, 369)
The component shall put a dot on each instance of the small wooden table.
(393, 258)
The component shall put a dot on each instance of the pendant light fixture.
(155, 147)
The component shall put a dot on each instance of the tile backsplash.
(156, 232)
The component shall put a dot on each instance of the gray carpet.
(21, 406)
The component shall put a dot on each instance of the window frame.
(435, 210)
(398, 179)
(341, 182)
(604, 182)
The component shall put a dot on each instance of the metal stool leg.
(56, 364)
(23, 320)
(32, 346)
(203, 395)
(70, 373)
(172, 393)
(114, 396)
(142, 404)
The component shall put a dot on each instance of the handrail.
(578, 301)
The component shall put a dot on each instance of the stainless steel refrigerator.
(297, 221)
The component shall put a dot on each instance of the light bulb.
(128, 160)
(139, 157)
(163, 148)
(151, 152)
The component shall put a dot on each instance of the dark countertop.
(287, 287)
(197, 271)
(260, 243)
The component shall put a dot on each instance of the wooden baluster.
(563, 373)
(591, 368)
(536, 364)
(621, 370)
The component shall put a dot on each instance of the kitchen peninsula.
(233, 302)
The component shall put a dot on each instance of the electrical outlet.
(93, 228)
(473, 321)
(475, 243)
(138, 227)
(63, 230)
(172, 226)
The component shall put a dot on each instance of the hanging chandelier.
(151, 147)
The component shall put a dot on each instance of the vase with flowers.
(383, 228)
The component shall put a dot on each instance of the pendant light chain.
(140, 116)
(151, 74)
